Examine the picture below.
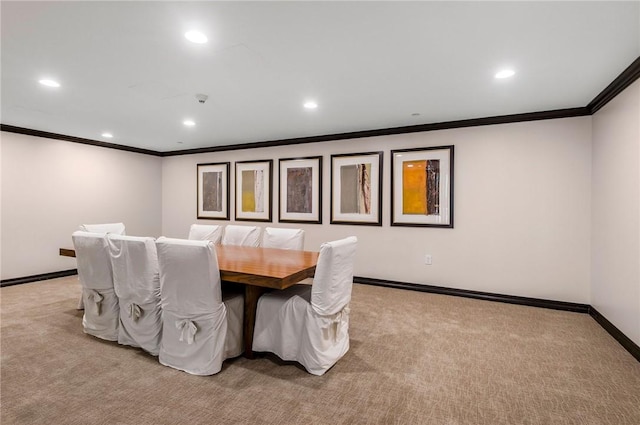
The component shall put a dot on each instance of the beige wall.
(545, 209)
(49, 187)
(616, 212)
(522, 209)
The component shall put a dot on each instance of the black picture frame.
(356, 199)
(309, 211)
(423, 207)
(261, 204)
(213, 197)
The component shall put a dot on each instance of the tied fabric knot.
(187, 329)
(333, 329)
(135, 311)
(96, 298)
(343, 323)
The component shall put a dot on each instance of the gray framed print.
(213, 191)
(253, 190)
(300, 199)
(356, 189)
(422, 187)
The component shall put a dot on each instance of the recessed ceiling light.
(189, 123)
(505, 73)
(107, 135)
(310, 105)
(49, 83)
(196, 37)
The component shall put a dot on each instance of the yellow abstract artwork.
(414, 187)
(248, 191)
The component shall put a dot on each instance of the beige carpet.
(415, 359)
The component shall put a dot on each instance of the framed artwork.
(213, 191)
(422, 187)
(356, 189)
(300, 190)
(253, 190)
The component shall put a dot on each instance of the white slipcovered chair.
(200, 327)
(117, 228)
(241, 235)
(310, 323)
(134, 262)
(101, 311)
(205, 232)
(273, 237)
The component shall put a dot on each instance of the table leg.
(251, 295)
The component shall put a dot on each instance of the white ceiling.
(126, 68)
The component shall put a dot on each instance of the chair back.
(117, 228)
(333, 280)
(134, 262)
(283, 238)
(189, 276)
(101, 308)
(205, 232)
(92, 255)
(241, 235)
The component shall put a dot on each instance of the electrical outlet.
(427, 259)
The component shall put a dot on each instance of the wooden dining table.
(258, 269)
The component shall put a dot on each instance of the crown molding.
(624, 80)
(502, 119)
(73, 139)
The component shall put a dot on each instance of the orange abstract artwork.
(421, 187)
(414, 187)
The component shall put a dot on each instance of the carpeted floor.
(415, 358)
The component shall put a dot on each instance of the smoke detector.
(202, 97)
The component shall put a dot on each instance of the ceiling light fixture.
(310, 105)
(189, 123)
(49, 83)
(196, 37)
(505, 73)
(107, 135)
